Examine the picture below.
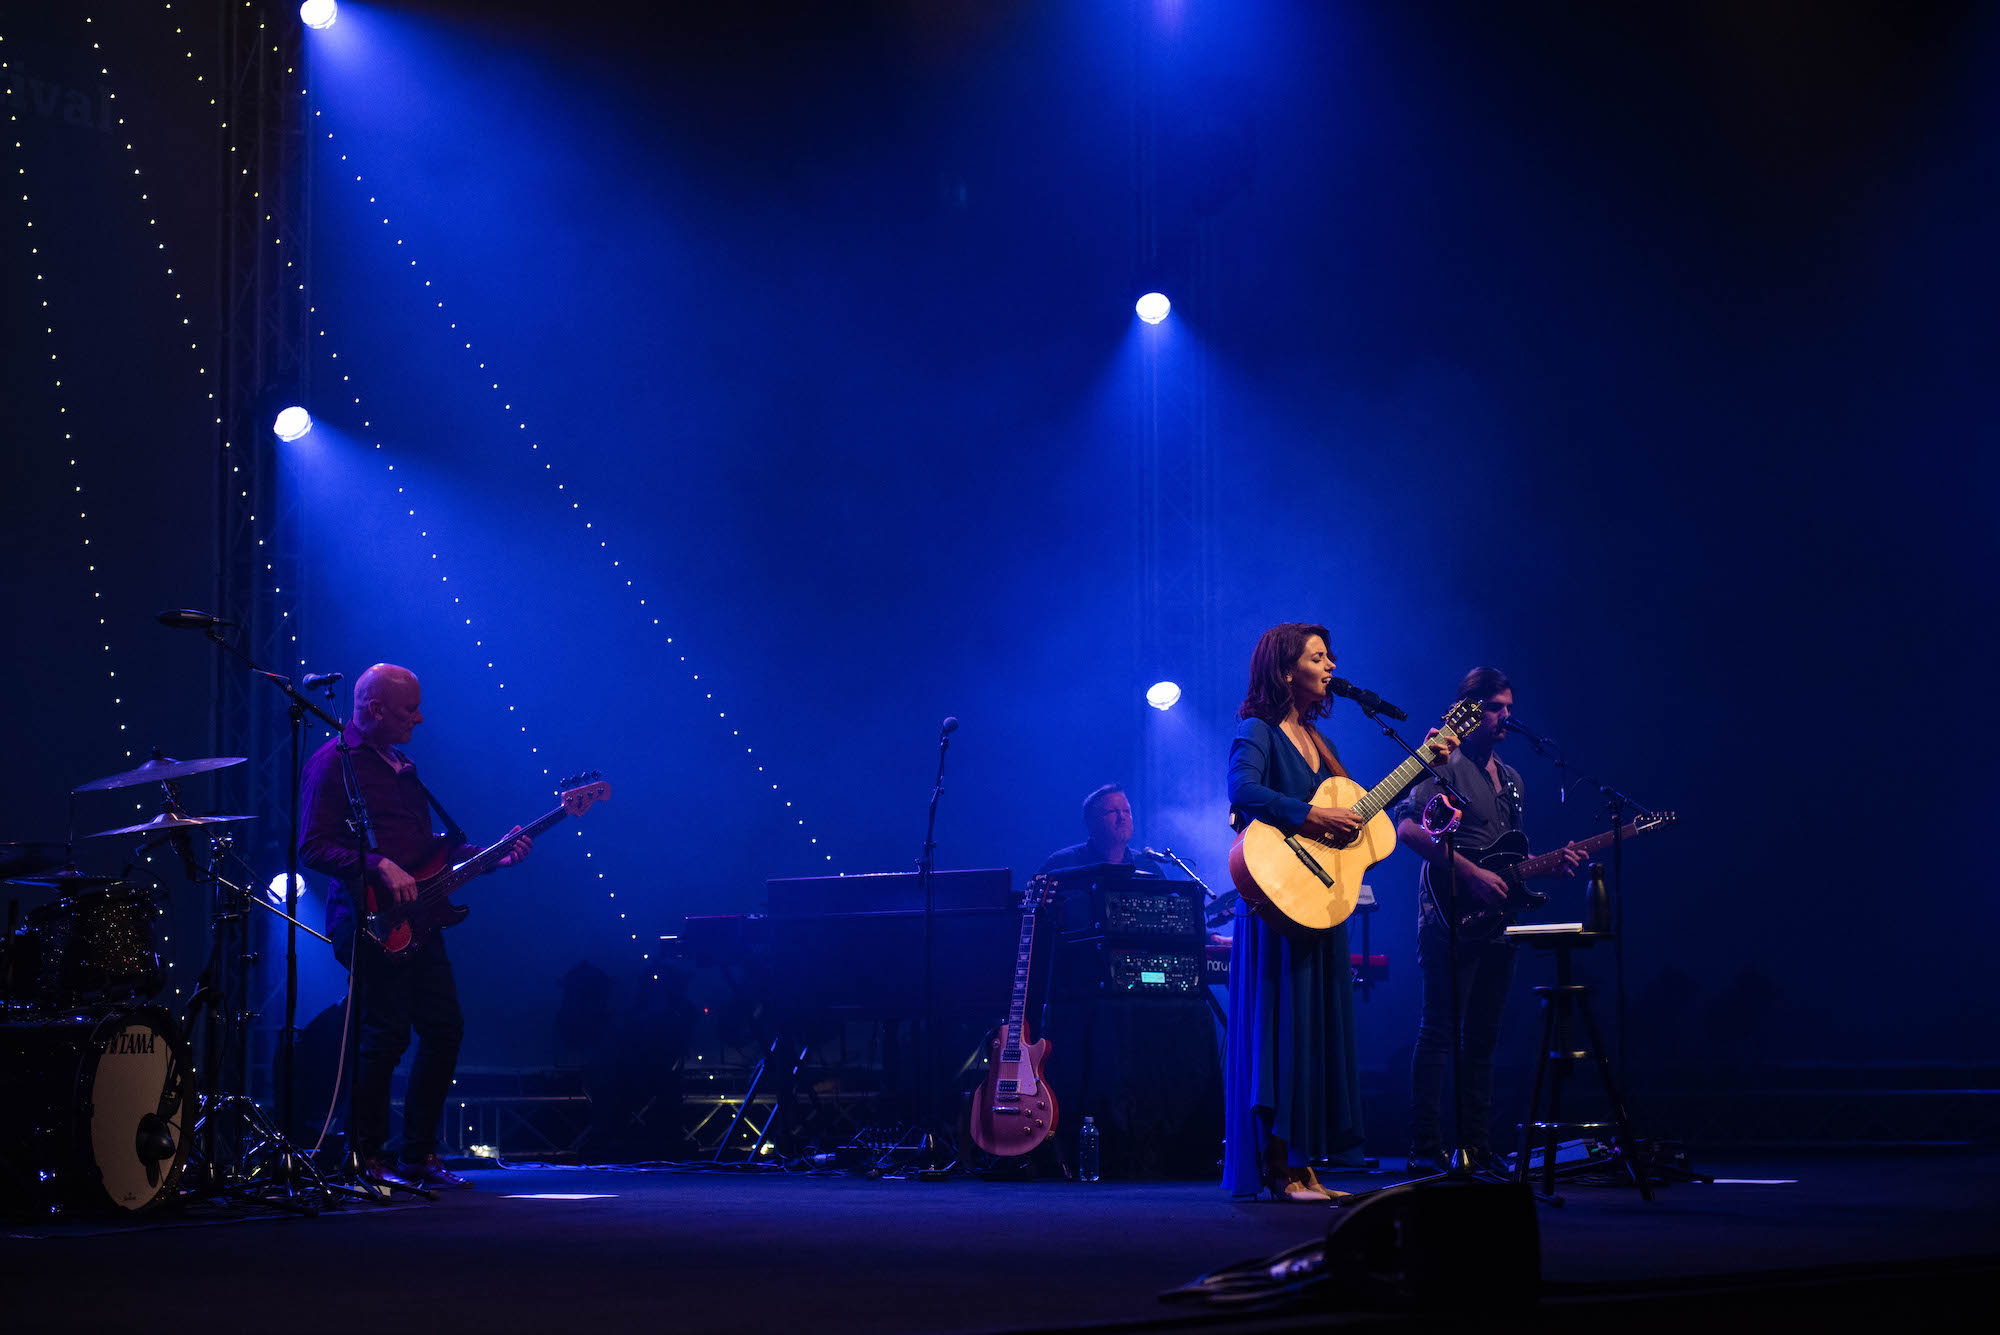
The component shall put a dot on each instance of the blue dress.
(1290, 1067)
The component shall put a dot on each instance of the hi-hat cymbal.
(159, 769)
(27, 859)
(69, 880)
(167, 822)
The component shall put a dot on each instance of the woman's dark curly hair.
(1276, 654)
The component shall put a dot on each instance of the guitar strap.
(1332, 760)
(452, 829)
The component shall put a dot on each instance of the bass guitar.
(1507, 857)
(400, 929)
(1301, 880)
(1014, 1109)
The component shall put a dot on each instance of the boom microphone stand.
(352, 1176)
(298, 709)
(1461, 1168)
(1617, 807)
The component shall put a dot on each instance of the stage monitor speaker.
(1445, 1245)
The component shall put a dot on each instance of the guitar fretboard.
(485, 860)
(1401, 777)
(1546, 862)
(1016, 1012)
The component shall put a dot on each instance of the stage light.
(319, 13)
(1153, 307)
(277, 888)
(1163, 695)
(292, 423)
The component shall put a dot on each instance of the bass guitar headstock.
(583, 791)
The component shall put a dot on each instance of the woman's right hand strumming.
(1336, 825)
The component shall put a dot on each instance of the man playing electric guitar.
(1492, 790)
(397, 995)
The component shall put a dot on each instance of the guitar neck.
(486, 859)
(1018, 1010)
(1544, 863)
(1401, 777)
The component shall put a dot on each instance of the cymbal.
(27, 859)
(69, 879)
(167, 822)
(159, 769)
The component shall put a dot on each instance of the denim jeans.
(1484, 972)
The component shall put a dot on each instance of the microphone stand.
(1618, 806)
(1461, 1166)
(351, 1167)
(298, 708)
(929, 1167)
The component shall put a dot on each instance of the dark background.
(1643, 351)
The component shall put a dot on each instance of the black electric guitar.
(402, 928)
(1507, 857)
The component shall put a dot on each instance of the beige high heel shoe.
(1312, 1180)
(1295, 1185)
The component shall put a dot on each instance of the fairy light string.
(464, 348)
(37, 266)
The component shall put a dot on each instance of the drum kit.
(103, 1114)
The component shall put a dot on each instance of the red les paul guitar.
(402, 928)
(1015, 1110)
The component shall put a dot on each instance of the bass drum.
(96, 1113)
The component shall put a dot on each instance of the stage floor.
(731, 1252)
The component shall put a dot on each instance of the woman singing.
(1292, 1093)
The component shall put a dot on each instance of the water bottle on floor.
(1086, 1151)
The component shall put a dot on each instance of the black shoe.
(1425, 1159)
(384, 1173)
(430, 1172)
(1486, 1160)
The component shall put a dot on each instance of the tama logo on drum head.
(130, 1042)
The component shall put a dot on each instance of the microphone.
(1368, 700)
(315, 680)
(1515, 725)
(1168, 856)
(947, 728)
(189, 619)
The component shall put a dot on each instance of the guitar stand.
(781, 1098)
(1563, 1004)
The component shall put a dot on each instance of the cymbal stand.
(237, 1155)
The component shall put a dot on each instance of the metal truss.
(1172, 456)
(264, 288)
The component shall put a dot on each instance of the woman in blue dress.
(1292, 1094)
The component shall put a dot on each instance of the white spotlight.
(319, 13)
(1163, 695)
(277, 888)
(1153, 307)
(292, 423)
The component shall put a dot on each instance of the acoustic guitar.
(1507, 857)
(400, 929)
(1014, 1109)
(1300, 880)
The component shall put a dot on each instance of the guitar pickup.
(1312, 863)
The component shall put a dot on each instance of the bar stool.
(1562, 1005)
